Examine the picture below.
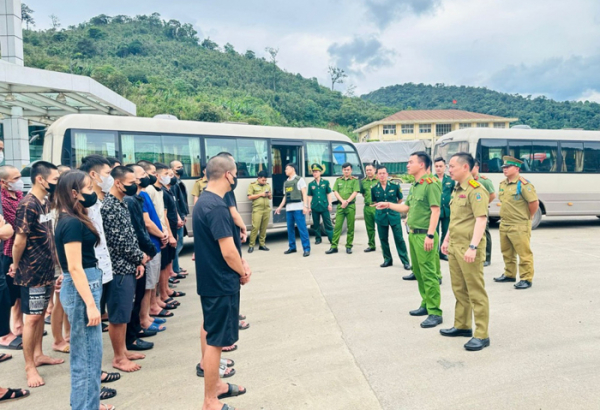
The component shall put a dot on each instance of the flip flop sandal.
(222, 369)
(232, 391)
(230, 348)
(228, 362)
(181, 270)
(111, 377)
(47, 320)
(242, 327)
(227, 407)
(180, 276)
(45, 333)
(16, 344)
(242, 317)
(109, 407)
(155, 327)
(4, 357)
(172, 301)
(160, 321)
(173, 280)
(163, 313)
(177, 294)
(17, 392)
(104, 327)
(107, 393)
(169, 306)
(146, 332)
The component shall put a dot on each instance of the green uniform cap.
(511, 162)
(317, 167)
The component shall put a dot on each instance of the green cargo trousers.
(348, 213)
(424, 265)
(317, 216)
(383, 231)
(369, 214)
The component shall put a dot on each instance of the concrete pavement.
(333, 332)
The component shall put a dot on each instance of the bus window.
(185, 150)
(342, 153)
(216, 145)
(521, 150)
(591, 161)
(138, 147)
(318, 153)
(490, 153)
(446, 150)
(545, 156)
(87, 142)
(572, 156)
(251, 155)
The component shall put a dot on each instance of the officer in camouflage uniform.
(388, 191)
(260, 193)
(345, 189)
(519, 205)
(465, 247)
(319, 196)
(487, 184)
(369, 211)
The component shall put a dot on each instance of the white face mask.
(16, 186)
(1, 156)
(106, 184)
(165, 180)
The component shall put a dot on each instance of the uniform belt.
(419, 231)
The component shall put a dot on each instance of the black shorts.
(34, 301)
(167, 255)
(5, 306)
(120, 299)
(221, 319)
(15, 291)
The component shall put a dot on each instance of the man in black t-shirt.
(220, 270)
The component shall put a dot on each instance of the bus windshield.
(446, 150)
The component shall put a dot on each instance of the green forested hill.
(539, 112)
(163, 67)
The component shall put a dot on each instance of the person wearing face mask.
(12, 187)
(33, 267)
(1, 152)
(76, 238)
(180, 192)
(128, 265)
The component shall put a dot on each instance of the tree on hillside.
(100, 20)
(55, 21)
(27, 16)
(273, 53)
(209, 44)
(337, 76)
(250, 55)
(228, 48)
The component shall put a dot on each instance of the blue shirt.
(148, 207)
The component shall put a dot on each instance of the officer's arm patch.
(478, 197)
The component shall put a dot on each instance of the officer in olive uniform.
(465, 247)
(259, 192)
(369, 211)
(319, 196)
(388, 191)
(447, 188)
(519, 205)
(199, 186)
(345, 189)
(487, 184)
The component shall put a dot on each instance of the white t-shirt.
(104, 263)
(296, 206)
(158, 201)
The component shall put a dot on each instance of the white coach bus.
(563, 165)
(255, 148)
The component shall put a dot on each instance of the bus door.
(283, 152)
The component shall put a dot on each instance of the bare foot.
(62, 347)
(126, 365)
(44, 360)
(33, 378)
(135, 356)
(106, 406)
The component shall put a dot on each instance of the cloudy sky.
(532, 47)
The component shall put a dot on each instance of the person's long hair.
(66, 203)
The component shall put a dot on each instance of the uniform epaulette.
(474, 183)
(429, 180)
(482, 177)
(436, 179)
(523, 181)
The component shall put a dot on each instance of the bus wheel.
(537, 218)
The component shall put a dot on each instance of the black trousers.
(134, 326)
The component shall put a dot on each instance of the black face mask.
(88, 199)
(144, 182)
(130, 190)
(153, 179)
(173, 181)
(234, 184)
(51, 188)
(180, 172)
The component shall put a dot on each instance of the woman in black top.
(81, 290)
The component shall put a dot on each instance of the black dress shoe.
(475, 344)
(444, 257)
(407, 267)
(263, 248)
(385, 264)
(523, 284)
(410, 277)
(505, 279)
(422, 311)
(440, 279)
(140, 345)
(318, 241)
(432, 321)
(250, 249)
(487, 263)
(331, 250)
(454, 332)
(348, 251)
(290, 251)
(306, 253)
(370, 250)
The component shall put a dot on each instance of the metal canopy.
(45, 96)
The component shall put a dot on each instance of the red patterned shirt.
(9, 207)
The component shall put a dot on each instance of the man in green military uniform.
(369, 211)
(388, 191)
(345, 189)
(319, 196)
(447, 188)
(487, 184)
(423, 207)
(464, 246)
(260, 193)
(519, 205)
